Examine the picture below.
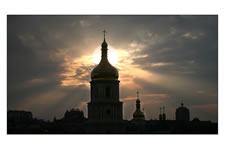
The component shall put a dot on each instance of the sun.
(112, 55)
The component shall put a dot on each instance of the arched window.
(107, 92)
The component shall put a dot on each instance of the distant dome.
(138, 115)
(182, 107)
(104, 70)
(196, 120)
(138, 101)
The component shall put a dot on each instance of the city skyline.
(167, 58)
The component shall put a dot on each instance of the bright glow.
(112, 55)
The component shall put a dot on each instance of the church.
(105, 104)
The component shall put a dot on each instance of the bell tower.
(104, 104)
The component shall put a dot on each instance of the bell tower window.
(108, 112)
(107, 92)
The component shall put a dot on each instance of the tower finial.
(137, 94)
(164, 114)
(160, 113)
(104, 31)
(182, 104)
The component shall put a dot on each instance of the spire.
(182, 104)
(138, 105)
(104, 46)
(137, 94)
(160, 115)
(164, 115)
(104, 31)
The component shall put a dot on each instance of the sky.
(168, 59)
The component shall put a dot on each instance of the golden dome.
(104, 70)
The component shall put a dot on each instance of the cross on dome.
(104, 31)
(182, 104)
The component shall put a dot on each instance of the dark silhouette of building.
(105, 104)
(19, 116)
(22, 122)
(74, 122)
(74, 115)
(182, 113)
(138, 114)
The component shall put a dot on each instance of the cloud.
(84, 23)
(76, 71)
(200, 92)
(167, 58)
(193, 36)
(159, 64)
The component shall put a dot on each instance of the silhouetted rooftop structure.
(19, 116)
(182, 113)
(74, 115)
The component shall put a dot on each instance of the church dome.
(138, 115)
(138, 101)
(104, 70)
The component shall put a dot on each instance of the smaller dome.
(138, 101)
(183, 108)
(104, 44)
(196, 120)
(138, 115)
